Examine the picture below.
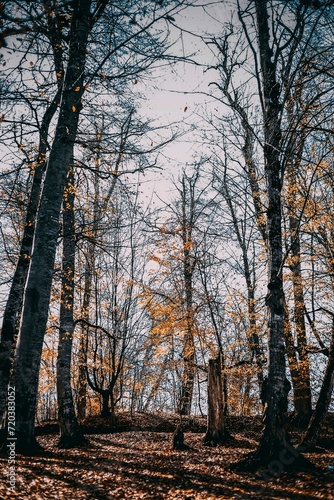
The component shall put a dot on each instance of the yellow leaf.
(77, 89)
(74, 109)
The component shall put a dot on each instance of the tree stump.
(178, 440)
(216, 432)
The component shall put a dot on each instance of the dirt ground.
(140, 464)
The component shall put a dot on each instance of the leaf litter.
(142, 465)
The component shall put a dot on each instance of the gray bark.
(300, 369)
(309, 439)
(10, 324)
(89, 274)
(36, 304)
(188, 380)
(275, 438)
(301, 385)
(82, 377)
(70, 433)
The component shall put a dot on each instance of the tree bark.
(302, 386)
(187, 387)
(188, 378)
(36, 304)
(301, 367)
(10, 324)
(105, 412)
(82, 376)
(275, 450)
(216, 432)
(293, 367)
(89, 273)
(310, 437)
(70, 433)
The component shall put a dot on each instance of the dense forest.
(167, 219)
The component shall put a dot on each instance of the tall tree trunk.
(302, 387)
(13, 308)
(293, 362)
(82, 376)
(37, 297)
(98, 212)
(89, 273)
(70, 433)
(275, 450)
(216, 432)
(301, 384)
(275, 436)
(188, 381)
(310, 437)
(252, 332)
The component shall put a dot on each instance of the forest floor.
(136, 461)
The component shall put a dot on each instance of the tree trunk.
(188, 380)
(295, 372)
(275, 437)
(275, 450)
(310, 437)
(13, 308)
(89, 272)
(70, 433)
(105, 412)
(98, 212)
(82, 376)
(37, 298)
(301, 384)
(216, 432)
(302, 390)
(252, 331)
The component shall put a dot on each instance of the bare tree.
(84, 17)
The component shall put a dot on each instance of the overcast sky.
(176, 96)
